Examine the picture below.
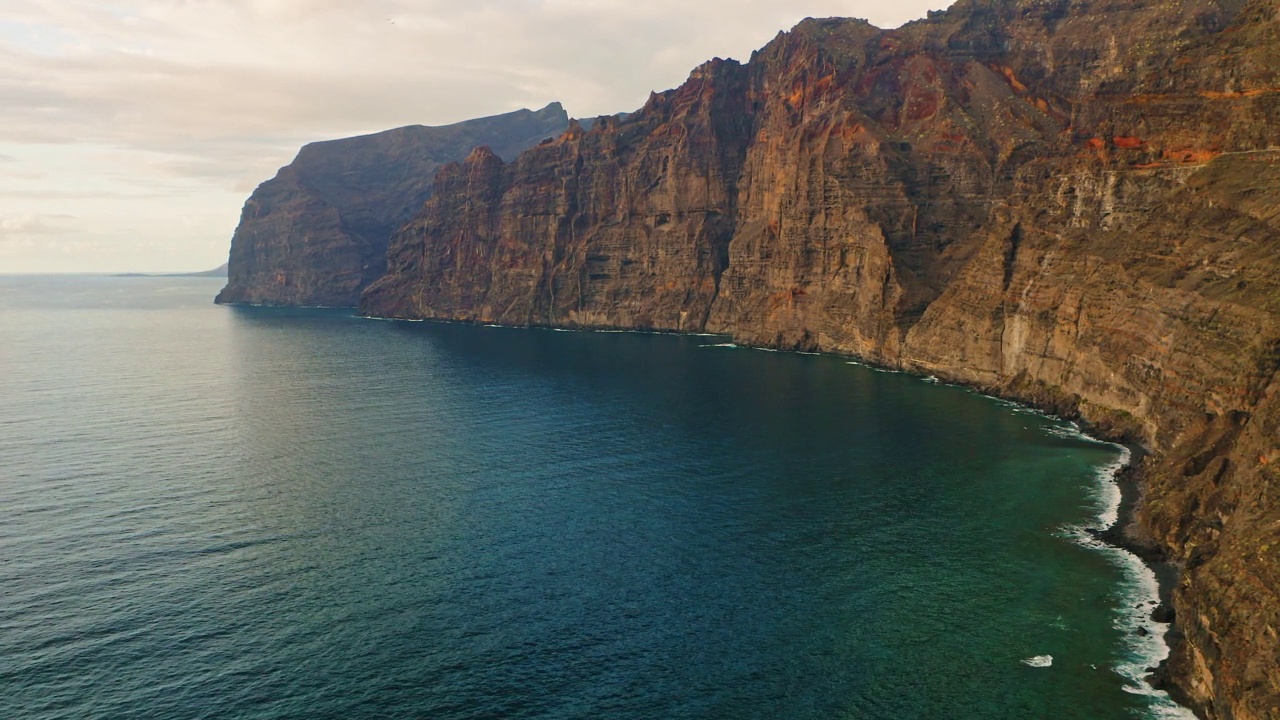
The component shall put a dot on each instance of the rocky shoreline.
(1127, 534)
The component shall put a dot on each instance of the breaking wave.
(1139, 592)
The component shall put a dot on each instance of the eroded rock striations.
(1071, 202)
(317, 233)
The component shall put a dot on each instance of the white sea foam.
(875, 368)
(740, 347)
(1039, 661)
(1107, 496)
(1019, 408)
(869, 366)
(1139, 591)
(385, 319)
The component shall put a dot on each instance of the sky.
(131, 133)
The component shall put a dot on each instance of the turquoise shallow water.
(211, 512)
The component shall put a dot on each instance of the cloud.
(223, 92)
(163, 75)
(36, 224)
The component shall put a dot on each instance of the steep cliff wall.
(1072, 202)
(628, 224)
(317, 233)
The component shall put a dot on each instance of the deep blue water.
(211, 512)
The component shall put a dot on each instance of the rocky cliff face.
(1072, 202)
(317, 233)
(628, 224)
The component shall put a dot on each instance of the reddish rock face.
(317, 233)
(1074, 203)
(626, 225)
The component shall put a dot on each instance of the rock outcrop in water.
(1071, 202)
(317, 233)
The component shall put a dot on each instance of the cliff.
(1071, 202)
(317, 233)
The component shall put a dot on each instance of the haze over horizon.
(134, 131)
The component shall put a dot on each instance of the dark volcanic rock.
(317, 233)
(1076, 203)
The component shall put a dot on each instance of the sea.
(265, 513)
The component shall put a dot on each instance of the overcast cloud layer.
(133, 131)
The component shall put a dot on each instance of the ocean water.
(212, 512)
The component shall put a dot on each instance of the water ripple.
(211, 512)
